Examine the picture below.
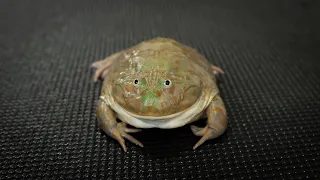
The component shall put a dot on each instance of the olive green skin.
(159, 83)
(151, 64)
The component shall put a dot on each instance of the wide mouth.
(158, 117)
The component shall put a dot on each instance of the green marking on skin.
(160, 83)
(143, 83)
(150, 98)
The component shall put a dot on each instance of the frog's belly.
(182, 119)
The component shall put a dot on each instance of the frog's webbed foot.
(109, 125)
(217, 122)
(217, 70)
(120, 132)
(123, 133)
(103, 65)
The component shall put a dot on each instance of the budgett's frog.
(159, 83)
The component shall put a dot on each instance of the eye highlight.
(167, 83)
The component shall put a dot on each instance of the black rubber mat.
(268, 49)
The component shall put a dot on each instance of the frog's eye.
(167, 83)
(136, 81)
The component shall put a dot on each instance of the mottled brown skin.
(159, 78)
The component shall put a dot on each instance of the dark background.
(269, 50)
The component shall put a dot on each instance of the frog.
(158, 83)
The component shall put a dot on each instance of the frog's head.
(156, 86)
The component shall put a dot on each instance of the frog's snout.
(150, 98)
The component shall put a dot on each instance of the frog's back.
(165, 53)
(167, 46)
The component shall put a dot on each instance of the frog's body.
(159, 83)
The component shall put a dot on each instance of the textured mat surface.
(269, 50)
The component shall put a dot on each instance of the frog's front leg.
(103, 65)
(217, 122)
(108, 123)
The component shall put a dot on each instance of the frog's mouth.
(165, 122)
(163, 117)
(152, 106)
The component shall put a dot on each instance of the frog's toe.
(131, 130)
(206, 133)
(197, 130)
(122, 127)
(98, 64)
(117, 135)
(217, 70)
(100, 72)
(132, 139)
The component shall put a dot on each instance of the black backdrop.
(269, 50)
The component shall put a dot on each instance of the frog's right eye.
(136, 81)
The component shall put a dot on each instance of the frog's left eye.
(167, 83)
(136, 81)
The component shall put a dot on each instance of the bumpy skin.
(158, 83)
